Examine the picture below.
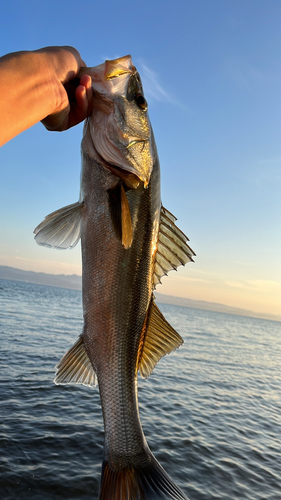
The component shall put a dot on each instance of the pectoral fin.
(126, 221)
(159, 339)
(62, 228)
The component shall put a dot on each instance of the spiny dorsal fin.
(126, 221)
(75, 367)
(160, 339)
(62, 228)
(172, 250)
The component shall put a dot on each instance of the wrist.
(30, 90)
(50, 84)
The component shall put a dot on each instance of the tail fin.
(149, 482)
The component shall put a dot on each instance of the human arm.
(37, 86)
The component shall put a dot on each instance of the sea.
(211, 411)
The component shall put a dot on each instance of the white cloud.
(153, 89)
(151, 85)
(260, 286)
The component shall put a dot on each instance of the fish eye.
(141, 101)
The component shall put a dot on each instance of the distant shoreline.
(74, 282)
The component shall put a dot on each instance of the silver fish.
(129, 241)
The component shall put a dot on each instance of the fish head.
(119, 124)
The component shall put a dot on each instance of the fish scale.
(119, 312)
(129, 241)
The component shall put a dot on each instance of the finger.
(84, 98)
(78, 109)
(81, 103)
(86, 80)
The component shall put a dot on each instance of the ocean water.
(211, 411)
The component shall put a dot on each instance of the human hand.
(42, 85)
(74, 96)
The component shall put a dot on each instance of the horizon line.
(160, 297)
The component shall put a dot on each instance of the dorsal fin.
(160, 339)
(172, 251)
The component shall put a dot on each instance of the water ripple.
(210, 411)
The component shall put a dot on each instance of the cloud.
(189, 280)
(151, 85)
(260, 286)
(153, 89)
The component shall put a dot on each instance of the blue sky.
(212, 77)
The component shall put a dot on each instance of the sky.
(211, 71)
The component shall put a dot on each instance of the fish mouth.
(119, 67)
(111, 76)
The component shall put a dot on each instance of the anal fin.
(160, 338)
(75, 367)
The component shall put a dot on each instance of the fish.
(129, 242)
